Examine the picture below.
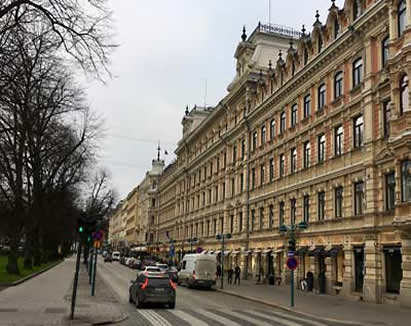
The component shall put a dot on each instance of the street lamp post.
(291, 229)
(221, 237)
(191, 241)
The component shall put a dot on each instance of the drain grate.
(8, 310)
(55, 310)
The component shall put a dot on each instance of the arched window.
(402, 16)
(356, 9)
(357, 72)
(404, 96)
(336, 28)
(338, 84)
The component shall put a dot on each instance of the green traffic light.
(80, 229)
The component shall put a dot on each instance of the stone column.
(405, 289)
(329, 272)
(393, 19)
(348, 279)
(243, 266)
(408, 12)
(372, 279)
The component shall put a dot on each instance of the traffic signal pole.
(73, 297)
(93, 282)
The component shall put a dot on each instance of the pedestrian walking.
(230, 276)
(237, 272)
(218, 271)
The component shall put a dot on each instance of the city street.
(199, 307)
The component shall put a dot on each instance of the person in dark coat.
(230, 276)
(218, 271)
(237, 272)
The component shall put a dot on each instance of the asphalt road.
(198, 307)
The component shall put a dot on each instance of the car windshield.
(162, 266)
(153, 269)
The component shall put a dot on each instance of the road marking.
(148, 316)
(188, 318)
(240, 314)
(160, 320)
(276, 319)
(219, 318)
(307, 321)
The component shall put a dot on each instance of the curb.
(276, 305)
(18, 282)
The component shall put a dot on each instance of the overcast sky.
(168, 48)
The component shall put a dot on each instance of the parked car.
(198, 270)
(173, 274)
(152, 269)
(115, 255)
(152, 288)
(163, 267)
(107, 258)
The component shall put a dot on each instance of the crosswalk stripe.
(289, 316)
(259, 322)
(160, 321)
(276, 319)
(147, 316)
(219, 318)
(188, 318)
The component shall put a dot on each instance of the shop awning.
(246, 252)
(227, 252)
(279, 250)
(266, 251)
(204, 251)
(318, 251)
(391, 249)
(257, 251)
(333, 252)
(217, 252)
(211, 252)
(301, 251)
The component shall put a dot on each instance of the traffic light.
(291, 245)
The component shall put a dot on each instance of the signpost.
(292, 265)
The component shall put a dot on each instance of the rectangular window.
(240, 221)
(293, 210)
(209, 196)
(338, 140)
(241, 182)
(358, 198)
(216, 194)
(338, 201)
(252, 220)
(293, 160)
(242, 149)
(272, 129)
(307, 154)
(231, 224)
(232, 187)
(252, 178)
(208, 228)
(389, 191)
(282, 164)
(261, 218)
(357, 72)
(338, 84)
(225, 160)
(271, 169)
(281, 214)
(321, 97)
(218, 163)
(307, 106)
(234, 153)
(254, 140)
(262, 174)
(358, 131)
(321, 148)
(306, 205)
(215, 226)
(271, 217)
(282, 122)
(223, 190)
(263, 135)
(294, 110)
(386, 118)
(321, 205)
(406, 181)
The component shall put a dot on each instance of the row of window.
(338, 197)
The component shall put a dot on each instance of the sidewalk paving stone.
(337, 308)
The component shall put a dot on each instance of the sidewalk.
(336, 308)
(46, 300)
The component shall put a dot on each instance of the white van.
(198, 270)
(115, 255)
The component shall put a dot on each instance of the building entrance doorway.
(359, 268)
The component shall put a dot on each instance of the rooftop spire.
(303, 31)
(317, 16)
(244, 35)
(158, 151)
(187, 110)
(270, 65)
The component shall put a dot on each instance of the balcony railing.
(277, 29)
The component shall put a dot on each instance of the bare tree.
(80, 28)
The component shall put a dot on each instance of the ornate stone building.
(315, 127)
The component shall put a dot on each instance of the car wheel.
(139, 304)
(172, 305)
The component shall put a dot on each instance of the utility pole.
(73, 297)
(221, 237)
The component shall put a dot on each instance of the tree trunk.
(12, 266)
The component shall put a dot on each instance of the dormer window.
(356, 9)
(320, 43)
(336, 28)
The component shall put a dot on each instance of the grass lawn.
(6, 278)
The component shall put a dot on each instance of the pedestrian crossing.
(226, 317)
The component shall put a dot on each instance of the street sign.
(98, 235)
(172, 251)
(292, 263)
(291, 253)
